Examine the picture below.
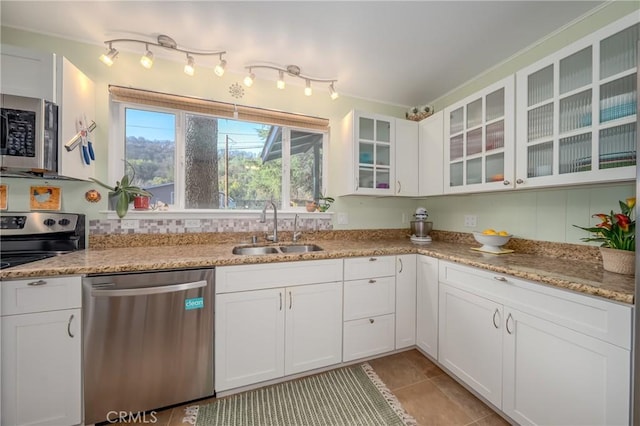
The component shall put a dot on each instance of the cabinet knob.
(519, 181)
(506, 183)
(372, 281)
(371, 320)
(503, 279)
(373, 259)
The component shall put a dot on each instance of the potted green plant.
(324, 203)
(124, 191)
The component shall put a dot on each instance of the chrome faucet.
(263, 219)
(296, 234)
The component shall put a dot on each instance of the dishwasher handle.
(143, 291)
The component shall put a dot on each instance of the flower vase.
(618, 261)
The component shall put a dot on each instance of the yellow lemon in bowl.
(503, 233)
(489, 232)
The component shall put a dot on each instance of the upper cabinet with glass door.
(479, 152)
(576, 111)
(368, 141)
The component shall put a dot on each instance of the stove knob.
(64, 222)
(49, 222)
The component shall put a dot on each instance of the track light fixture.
(167, 43)
(293, 71)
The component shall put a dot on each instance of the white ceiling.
(402, 53)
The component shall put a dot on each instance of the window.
(201, 161)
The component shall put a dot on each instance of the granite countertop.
(585, 276)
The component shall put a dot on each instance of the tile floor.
(425, 391)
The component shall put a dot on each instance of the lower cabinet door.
(405, 300)
(470, 340)
(368, 337)
(41, 368)
(249, 337)
(427, 305)
(313, 331)
(556, 376)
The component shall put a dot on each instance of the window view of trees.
(228, 164)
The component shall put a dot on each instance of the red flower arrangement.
(616, 230)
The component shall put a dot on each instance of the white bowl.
(491, 242)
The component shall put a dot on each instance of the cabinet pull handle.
(399, 187)
(280, 294)
(357, 183)
(506, 183)
(373, 259)
(371, 320)
(36, 283)
(519, 181)
(495, 324)
(372, 281)
(503, 279)
(290, 300)
(509, 317)
(69, 327)
(401, 266)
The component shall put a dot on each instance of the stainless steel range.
(29, 236)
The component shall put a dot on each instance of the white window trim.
(115, 170)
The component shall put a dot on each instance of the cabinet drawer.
(593, 316)
(41, 294)
(370, 297)
(368, 337)
(357, 268)
(273, 275)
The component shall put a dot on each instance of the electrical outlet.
(343, 218)
(129, 224)
(470, 221)
(192, 223)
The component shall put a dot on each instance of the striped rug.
(348, 396)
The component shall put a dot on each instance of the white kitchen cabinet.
(479, 140)
(265, 331)
(430, 154)
(26, 72)
(576, 111)
(407, 158)
(405, 300)
(41, 352)
(427, 305)
(542, 355)
(369, 306)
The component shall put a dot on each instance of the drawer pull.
(373, 259)
(280, 294)
(69, 327)
(290, 300)
(371, 320)
(503, 279)
(36, 283)
(401, 267)
(495, 324)
(372, 281)
(509, 317)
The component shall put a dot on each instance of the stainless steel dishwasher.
(148, 341)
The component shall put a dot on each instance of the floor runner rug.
(349, 396)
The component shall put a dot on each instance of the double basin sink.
(282, 249)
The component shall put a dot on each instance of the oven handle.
(142, 291)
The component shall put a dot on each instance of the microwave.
(29, 140)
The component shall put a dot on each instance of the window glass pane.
(306, 167)
(201, 162)
(253, 152)
(150, 147)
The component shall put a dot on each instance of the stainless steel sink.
(284, 249)
(255, 250)
(300, 248)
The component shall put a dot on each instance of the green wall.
(535, 214)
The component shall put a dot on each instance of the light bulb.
(280, 82)
(147, 60)
(219, 69)
(248, 80)
(307, 89)
(189, 68)
(109, 57)
(332, 92)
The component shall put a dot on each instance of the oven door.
(22, 145)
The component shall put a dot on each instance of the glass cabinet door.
(480, 140)
(577, 122)
(375, 138)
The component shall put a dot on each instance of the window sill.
(213, 214)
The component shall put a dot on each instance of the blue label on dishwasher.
(194, 303)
